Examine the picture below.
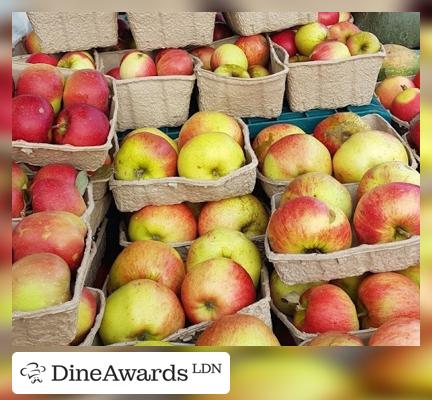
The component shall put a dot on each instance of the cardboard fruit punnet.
(249, 23)
(156, 30)
(69, 31)
(84, 158)
(151, 100)
(100, 297)
(100, 210)
(97, 253)
(243, 97)
(131, 196)
(376, 122)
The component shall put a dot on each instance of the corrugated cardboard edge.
(239, 97)
(97, 253)
(376, 122)
(53, 325)
(251, 23)
(100, 210)
(85, 158)
(89, 339)
(155, 30)
(131, 196)
(334, 83)
(69, 31)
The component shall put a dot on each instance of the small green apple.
(231, 70)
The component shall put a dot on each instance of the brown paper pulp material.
(97, 253)
(100, 184)
(251, 23)
(149, 101)
(131, 196)
(334, 83)
(240, 97)
(89, 339)
(54, 325)
(69, 31)
(100, 210)
(84, 158)
(376, 122)
(156, 30)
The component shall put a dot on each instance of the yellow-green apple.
(238, 330)
(397, 332)
(57, 232)
(330, 50)
(166, 223)
(141, 310)
(294, 155)
(19, 177)
(344, 16)
(231, 70)
(89, 87)
(228, 243)
(32, 119)
(338, 128)
(145, 155)
(388, 213)
(328, 18)
(326, 308)
(204, 53)
(32, 43)
(18, 205)
(229, 54)
(389, 88)
(56, 195)
(414, 135)
(310, 35)
(210, 121)
(215, 288)
(321, 186)
(308, 225)
(175, 62)
(365, 150)
(42, 58)
(42, 80)
(389, 295)
(271, 134)
(62, 172)
(81, 125)
(243, 213)
(286, 39)
(157, 132)
(391, 171)
(210, 156)
(363, 43)
(286, 297)
(342, 31)
(334, 339)
(258, 71)
(114, 72)
(147, 259)
(87, 310)
(39, 281)
(137, 64)
(413, 273)
(298, 58)
(406, 105)
(157, 343)
(256, 48)
(416, 80)
(221, 31)
(76, 60)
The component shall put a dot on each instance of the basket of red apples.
(241, 76)
(62, 116)
(211, 160)
(69, 31)
(154, 89)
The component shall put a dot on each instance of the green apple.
(231, 70)
(413, 273)
(157, 132)
(310, 35)
(350, 285)
(210, 156)
(257, 71)
(363, 43)
(229, 54)
(157, 343)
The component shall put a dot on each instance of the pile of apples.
(210, 146)
(37, 114)
(389, 301)
(332, 37)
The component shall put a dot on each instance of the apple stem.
(402, 234)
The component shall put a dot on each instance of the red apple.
(221, 31)
(388, 213)
(389, 88)
(204, 53)
(215, 288)
(42, 58)
(389, 295)
(417, 80)
(406, 105)
(342, 31)
(114, 72)
(397, 332)
(286, 39)
(32, 43)
(62, 172)
(87, 310)
(77, 60)
(42, 80)
(175, 62)
(334, 339)
(161, 52)
(414, 135)
(89, 87)
(81, 125)
(256, 48)
(19, 177)
(330, 50)
(17, 203)
(32, 118)
(328, 18)
(326, 308)
(137, 64)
